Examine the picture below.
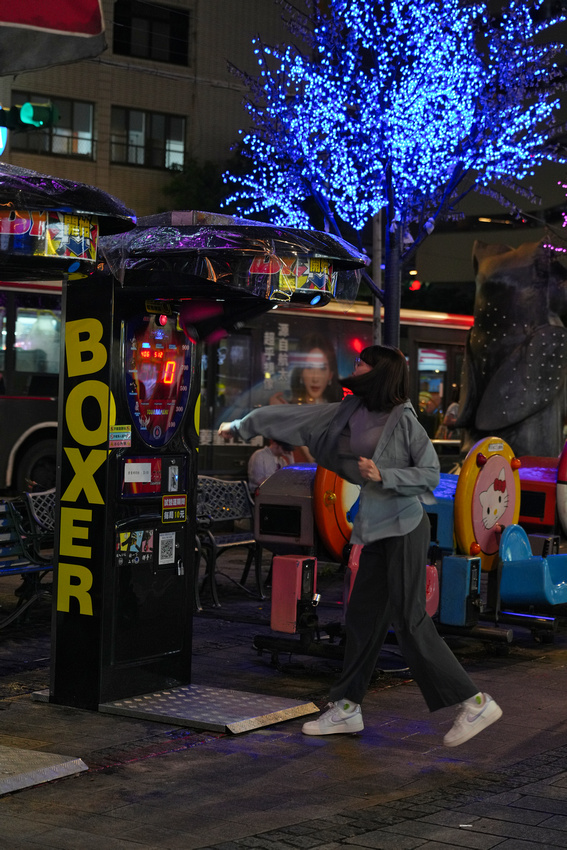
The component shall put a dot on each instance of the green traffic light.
(27, 115)
(38, 114)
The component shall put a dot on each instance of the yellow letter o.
(74, 412)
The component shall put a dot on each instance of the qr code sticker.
(167, 548)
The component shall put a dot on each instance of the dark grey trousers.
(390, 590)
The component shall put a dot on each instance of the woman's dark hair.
(387, 384)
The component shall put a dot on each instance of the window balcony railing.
(147, 155)
(54, 145)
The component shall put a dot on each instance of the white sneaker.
(471, 720)
(336, 719)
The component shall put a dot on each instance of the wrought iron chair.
(26, 547)
(224, 503)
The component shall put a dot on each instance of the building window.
(72, 134)
(151, 31)
(149, 139)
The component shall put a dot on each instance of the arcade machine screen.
(157, 358)
(149, 613)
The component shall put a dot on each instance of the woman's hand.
(226, 431)
(278, 398)
(368, 469)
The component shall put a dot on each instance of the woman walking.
(373, 438)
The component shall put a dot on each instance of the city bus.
(261, 363)
(30, 321)
(258, 364)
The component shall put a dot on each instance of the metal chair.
(224, 503)
(26, 548)
(40, 524)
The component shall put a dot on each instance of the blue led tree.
(403, 107)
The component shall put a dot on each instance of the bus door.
(228, 372)
(436, 358)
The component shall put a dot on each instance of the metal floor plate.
(24, 768)
(216, 709)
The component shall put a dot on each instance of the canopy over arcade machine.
(49, 227)
(129, 434)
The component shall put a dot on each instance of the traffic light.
(28, 116)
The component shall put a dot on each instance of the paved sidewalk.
(394, 785)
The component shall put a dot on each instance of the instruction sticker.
(174, 508)
(120, 436)
(138, 472)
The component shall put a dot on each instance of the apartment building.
(161, 92)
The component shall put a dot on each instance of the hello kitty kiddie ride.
(475, 524)
(467, 520)
(479, 581)
(487, 499)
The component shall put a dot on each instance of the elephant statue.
(515, 368)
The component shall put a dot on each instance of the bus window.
(271, 360)
(37, 340)
(432, 369)
(227, 371)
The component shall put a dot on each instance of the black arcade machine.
(49, 229)
(129, 440)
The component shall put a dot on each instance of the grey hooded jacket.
(405, 456)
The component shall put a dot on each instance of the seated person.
(264, 462)
(448, 430)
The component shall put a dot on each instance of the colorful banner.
(286, 275)
(46, 233)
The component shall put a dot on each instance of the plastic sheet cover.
(21, 188)
(50, 227)
(275, 263)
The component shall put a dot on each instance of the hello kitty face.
(494, 501)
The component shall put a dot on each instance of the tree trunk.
(377, 277)
(392, 285)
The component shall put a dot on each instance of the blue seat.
(529, 579)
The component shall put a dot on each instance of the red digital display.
(169, 372)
